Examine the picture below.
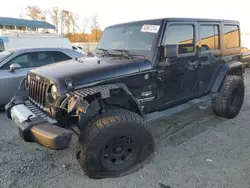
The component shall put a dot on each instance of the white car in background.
(78, 49)
(39, 40)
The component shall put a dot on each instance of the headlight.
(54, 92)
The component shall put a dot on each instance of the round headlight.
(54, 92)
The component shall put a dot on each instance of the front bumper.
(36, 126)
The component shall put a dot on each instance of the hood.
(91, 70)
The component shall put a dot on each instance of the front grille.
(37, 91)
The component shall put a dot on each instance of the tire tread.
(219, 103)
(96, 126)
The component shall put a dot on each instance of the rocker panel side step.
(159, 115)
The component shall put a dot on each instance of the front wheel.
(230, 98)
(113, 144)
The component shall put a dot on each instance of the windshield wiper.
(105, 51)
(122, 50)
(127, 53)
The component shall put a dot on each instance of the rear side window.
(59, 56)
(231, 36)
(182, 35)
(209, 35)
(43, 58)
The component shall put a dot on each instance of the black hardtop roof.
(182, 20)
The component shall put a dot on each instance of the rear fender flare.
(225, 70)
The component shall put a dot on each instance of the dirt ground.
(194, 149)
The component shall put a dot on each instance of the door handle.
(193, 63)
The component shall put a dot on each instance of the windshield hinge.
(69, 83)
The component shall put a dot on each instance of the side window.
(182, 35)
(43, 58)
(231, 36)
(59, 56)
(1, 45)
(33, 59)
(209, 35)
(22, 60)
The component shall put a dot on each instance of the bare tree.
(35, 13)
(63, 15)
(54, 16)
(95, 24)
(21, 13)
(73, 19)
(66, 20)
(85, 24)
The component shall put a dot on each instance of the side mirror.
(169, 51)
(14, 66)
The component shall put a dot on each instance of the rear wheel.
(113, 144)
(230, 98)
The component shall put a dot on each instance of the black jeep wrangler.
(142, 72)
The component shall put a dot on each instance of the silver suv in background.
(14, 65)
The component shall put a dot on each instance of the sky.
(113, 11)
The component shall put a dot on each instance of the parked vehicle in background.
(21, 33)
(14, 65)
(142, 72)
(78, 49)
(245, 56)
(46, 40)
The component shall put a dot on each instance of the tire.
(114, 144)
(229, 100)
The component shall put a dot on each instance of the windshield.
(136, 36)
(4, 55)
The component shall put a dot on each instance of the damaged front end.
(36, 126)
(48, 122)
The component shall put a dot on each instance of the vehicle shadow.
(183, 126)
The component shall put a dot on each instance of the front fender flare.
(104, 90)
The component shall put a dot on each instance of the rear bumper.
(35, 126)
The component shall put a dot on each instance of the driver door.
(179, 80)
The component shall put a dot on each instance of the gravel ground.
(195, 149)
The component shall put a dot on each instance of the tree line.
(65, 22)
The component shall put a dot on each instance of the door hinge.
(160, 75)
(164, 73)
